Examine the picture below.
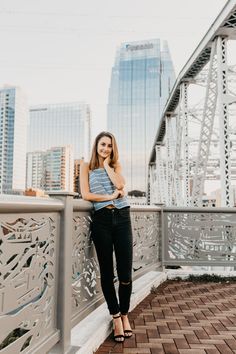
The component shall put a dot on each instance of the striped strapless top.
(100, 183)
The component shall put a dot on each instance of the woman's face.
(104, 147)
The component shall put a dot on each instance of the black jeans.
(111, 230)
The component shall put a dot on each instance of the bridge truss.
(197, 142)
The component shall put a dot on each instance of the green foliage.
(136, 193)
(204, 278)
(210, 278)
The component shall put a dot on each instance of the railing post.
(64, 273)
(163, 241)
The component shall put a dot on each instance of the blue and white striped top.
(100, 183)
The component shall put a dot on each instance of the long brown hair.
(94, 161)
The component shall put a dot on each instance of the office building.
(141, 80)
(35, 170)
(13, 134)
(60, 125)
(59, 169)
(51, 170)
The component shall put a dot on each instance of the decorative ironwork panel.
(85, 269)
(147, 238)
(27, 280)
(199, 238)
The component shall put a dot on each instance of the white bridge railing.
(49, 275)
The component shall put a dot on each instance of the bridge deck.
(182, 317)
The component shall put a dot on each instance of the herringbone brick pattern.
(182, 317)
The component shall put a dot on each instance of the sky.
(63, 50)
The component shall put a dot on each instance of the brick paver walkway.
(182, 317)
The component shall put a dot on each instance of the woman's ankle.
(116, 315)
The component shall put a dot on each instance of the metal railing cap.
(16, 203)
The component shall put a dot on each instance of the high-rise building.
(60, 125)
(59, 169)
(13, 133)
(141, 80)
(51, 170)
(35, 170)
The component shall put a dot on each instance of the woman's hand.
(115, 194)
(118, 193)
(122, 193)
(107, 161)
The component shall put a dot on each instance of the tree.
(136, 193)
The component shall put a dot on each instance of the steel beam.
(225, 165)
(206, 130)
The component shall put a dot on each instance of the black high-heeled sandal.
(127, 332)
(119, 338)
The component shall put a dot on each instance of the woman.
(103, 184)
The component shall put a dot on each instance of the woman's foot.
(118, 331)
(126, 325)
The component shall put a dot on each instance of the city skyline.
(65, 53)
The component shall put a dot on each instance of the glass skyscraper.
(141, 80)
(13, 133)
(59, 125)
